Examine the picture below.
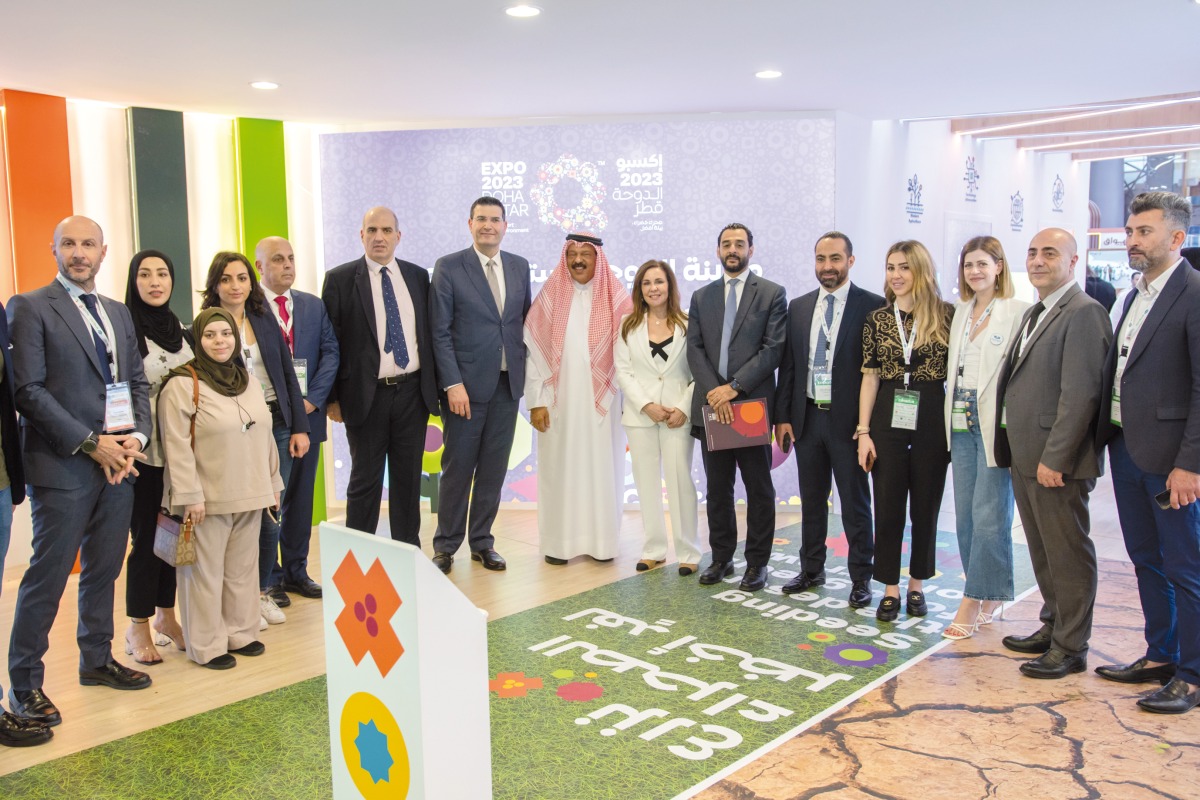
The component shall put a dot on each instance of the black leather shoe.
(34, 705)
(114, 675)
(754, 579)
(1037, 642)
(804, 581)
(860, 594)
(443, 561)
(555, 562)
(715, 572)
(489, 558)
(252, 649)
(915, 604)
(889, 609)
(1053, 664)
(223, 661)
(278, 595)
(1138, 672)
(1176, 697)
(18, 732)
(305, 587)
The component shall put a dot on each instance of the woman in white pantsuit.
(652, 370)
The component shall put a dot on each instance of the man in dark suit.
(816, 405)
(385, 388)
(85, 409)
(1049, 391)
(736, 331)
(1150, 419)
(478, 301)
(314, 347)
(1099, 290)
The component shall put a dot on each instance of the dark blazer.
(1053, 391)
(1160, 388)
(791, 396)
(469, 332)
(347, 296)
(756, 346)
(59, 407)
(9, 435)
(315, 341)
(1101, 291)
(278, 361)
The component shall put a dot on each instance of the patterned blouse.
(157, 363)
(884, 354)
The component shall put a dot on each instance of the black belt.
(392, 380)
(275, 409)
(818, 406)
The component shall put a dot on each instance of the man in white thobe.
(570, 384)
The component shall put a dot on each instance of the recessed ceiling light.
(769, 73)
(264, 85)
(524, 10)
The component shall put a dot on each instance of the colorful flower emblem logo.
(856, 655)
(365, 623)
(513, 684)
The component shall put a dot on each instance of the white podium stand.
(406, 659)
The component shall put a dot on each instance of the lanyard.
(905, 344)
(1132, 329)
(969, 332)
(828, 329)
(100, 330)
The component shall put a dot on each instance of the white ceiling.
(456, 61)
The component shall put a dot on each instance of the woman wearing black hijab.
(150, 581)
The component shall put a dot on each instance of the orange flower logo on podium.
(365, 623)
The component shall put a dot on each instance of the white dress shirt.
(840, 296)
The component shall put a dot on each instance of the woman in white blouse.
(653, 373)
(984, 325)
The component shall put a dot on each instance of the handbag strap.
(195, 402)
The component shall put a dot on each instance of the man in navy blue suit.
(478, 301)
(309, 335)
(1150, 419)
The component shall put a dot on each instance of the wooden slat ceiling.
(1165, 123)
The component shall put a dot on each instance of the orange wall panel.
(38, 164)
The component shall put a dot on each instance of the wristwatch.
(737, 387)
(90, 444)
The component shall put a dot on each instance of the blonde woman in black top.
(901, 431)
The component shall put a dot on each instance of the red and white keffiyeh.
(547, 323)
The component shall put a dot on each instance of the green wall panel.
(262, 181)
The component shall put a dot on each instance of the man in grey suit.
(1049, 391)
(478, 300)
(1150, 419)
(85, 409)
(736, 331)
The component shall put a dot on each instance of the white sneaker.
(262, 623)
(270, 611)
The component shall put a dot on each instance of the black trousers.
(149, 581)
(720, 467)
(825, 455)
(393, 433)
(910, 470)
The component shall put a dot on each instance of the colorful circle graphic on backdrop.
(373, 748)
(587, 216)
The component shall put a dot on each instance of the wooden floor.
(295, 652)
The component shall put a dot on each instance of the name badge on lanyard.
(958, 417)
(904, 409)
(822, 388)
(1115, 415)
(301, 366)
(118, 408)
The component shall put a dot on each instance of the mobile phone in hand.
(785, 444)
(1163, 499)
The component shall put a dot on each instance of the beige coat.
(232, 469)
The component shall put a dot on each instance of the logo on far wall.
(1016, 212)
(971, 177)
(914, 207)
(1058, 194)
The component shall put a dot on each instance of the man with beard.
(736, 332)
(817, 407)
(1150, 419)
(570, 383)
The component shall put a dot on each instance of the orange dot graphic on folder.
(750, 412)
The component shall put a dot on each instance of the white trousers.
(218, 595)
(664, 455)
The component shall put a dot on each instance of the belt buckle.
(823, 406)
(391, 380)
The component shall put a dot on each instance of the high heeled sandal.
(142, 654)
(987, 619)
(957, 631)
(163, 639)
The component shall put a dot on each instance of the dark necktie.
(1026, 331)
(89, 300)
(281, 301)
(393, 340)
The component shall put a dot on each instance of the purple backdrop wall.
(651, 190)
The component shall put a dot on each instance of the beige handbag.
(174, 542)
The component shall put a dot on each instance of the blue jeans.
(983, 508)
(268, 536)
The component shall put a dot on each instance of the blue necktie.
(727, 328)
(89, 300)
(393, 340)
